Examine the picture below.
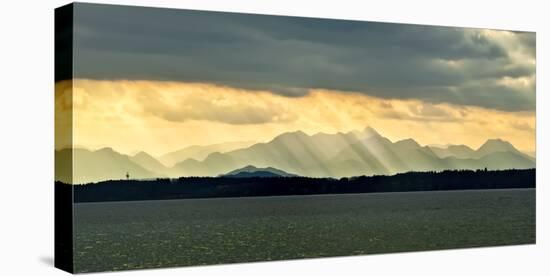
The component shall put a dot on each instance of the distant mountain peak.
(370, 130)
(200, 152)
(366, 133)
(252, 171)
(408, 142)
(496, 143)
(459, 147)
(495, 146)
(145, 157)
(297, 132)
(292, 135)
(495, 140)
(105, 149)
(143, 154)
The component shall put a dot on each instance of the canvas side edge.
(63, 206)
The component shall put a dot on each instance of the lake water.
(148, 234)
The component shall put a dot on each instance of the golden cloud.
(158, 116)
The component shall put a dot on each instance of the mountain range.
(198, 152)
(363, 152)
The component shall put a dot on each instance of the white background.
(26, 133)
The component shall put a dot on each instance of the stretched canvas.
(188, 137)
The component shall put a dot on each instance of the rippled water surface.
(147, 234)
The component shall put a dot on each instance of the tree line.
(210, 187)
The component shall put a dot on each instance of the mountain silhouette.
(363, 152)
(149, 163)
(459, 151)
(251, 171)
(98, 165)
(342, 154)
(200, 152)
(494, 146)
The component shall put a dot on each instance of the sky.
(160, 79)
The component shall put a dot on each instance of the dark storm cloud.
(290, 55)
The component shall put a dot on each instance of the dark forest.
(210, 187)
